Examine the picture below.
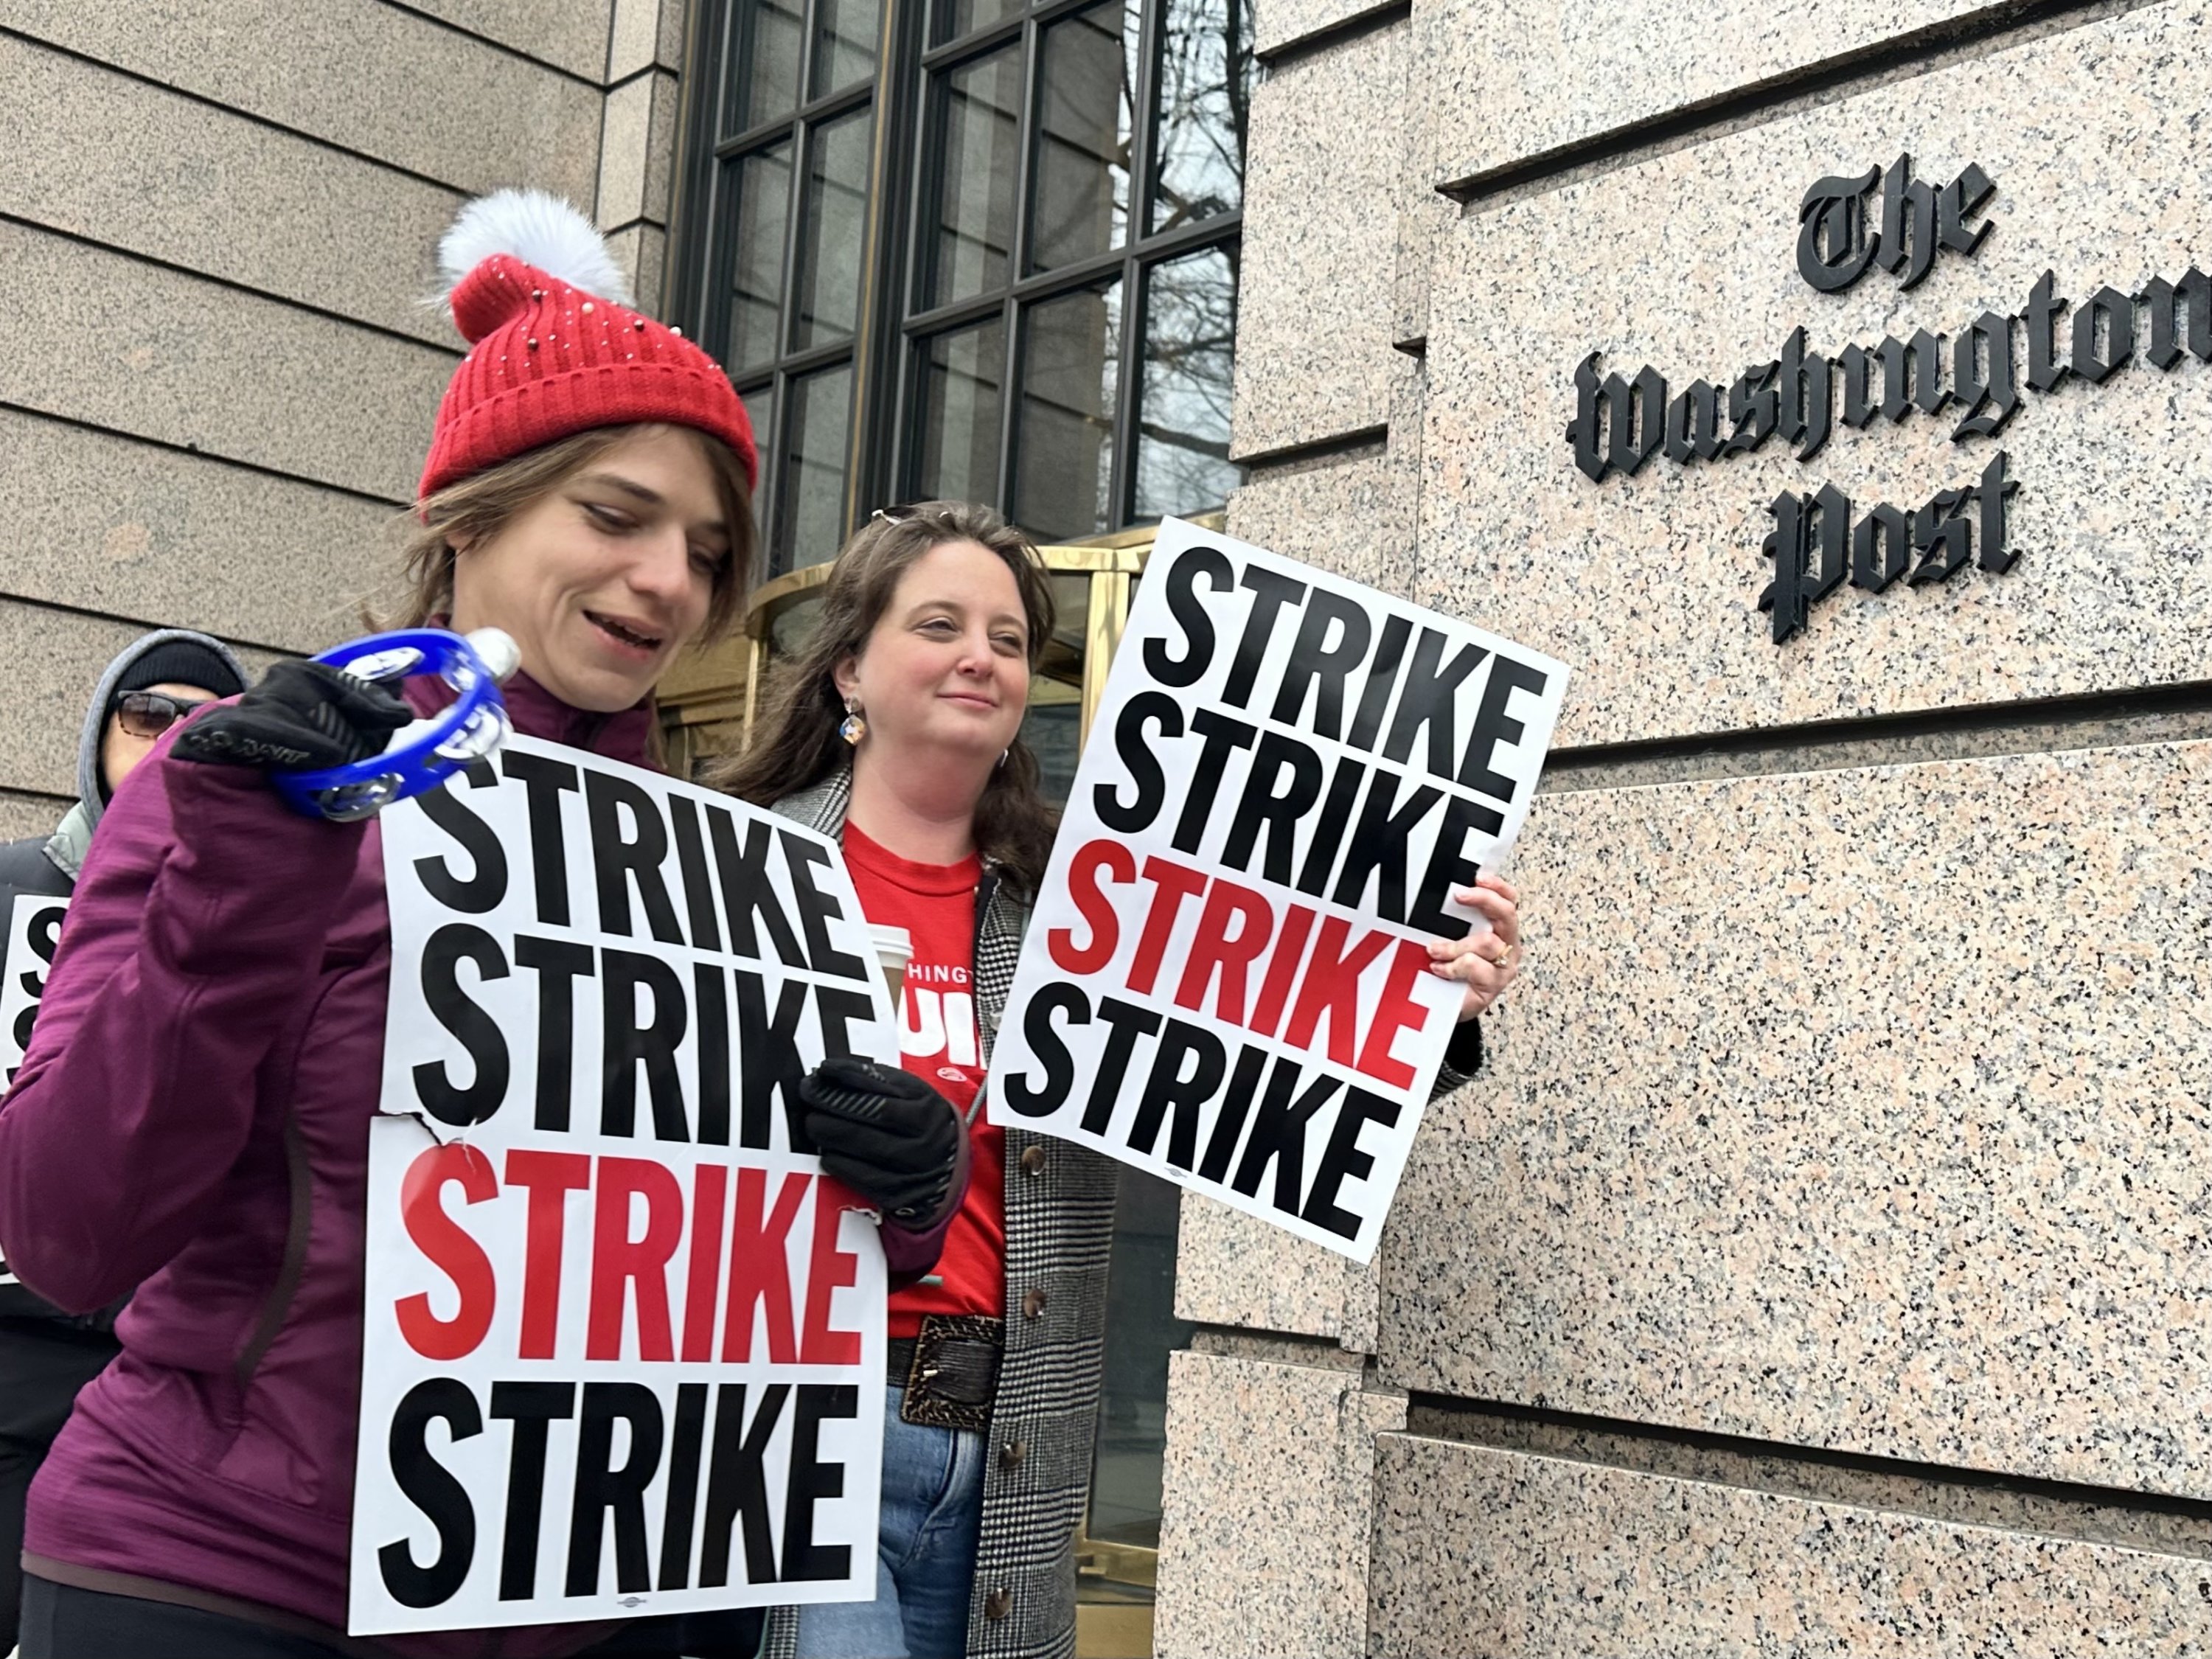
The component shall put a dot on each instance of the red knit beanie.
(554, 348)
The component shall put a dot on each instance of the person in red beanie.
(192, 1117)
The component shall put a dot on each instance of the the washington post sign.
(1225, 979)
(624, 1343)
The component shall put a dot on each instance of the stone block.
(1423, 212)
(642, 252)
(637, 151)
(1687, 263)
(1279, 24)
(23, 814)
(1269, 1501)
(569, 35)
(1854, 1109)
(1353, 516)
(184, 182)
(1314, 310)
(1235, 1269)
(647, 34)
(380, 79)
(111, 341)
(1524, 78)
(1495, 1554)
(133, 530)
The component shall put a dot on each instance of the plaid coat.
(1059, 1222)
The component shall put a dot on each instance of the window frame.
(889, 346)
(702, 232)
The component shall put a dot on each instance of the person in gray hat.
(46, 1355)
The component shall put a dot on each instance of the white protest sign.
(34, 929)
(1225, 980)
(624, 1345)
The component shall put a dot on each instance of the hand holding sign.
(624, 1336)
(1291, 783)
(1486, 960)
(885, 1133)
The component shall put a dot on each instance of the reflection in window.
(769, 35)
(1182, 401)
(756, 297)
(1064, 453)
(794, 625)
(978, 130)
(1081, 205)
(950, 19)
(1053, 727)
(963, 394)
(1125, 1488)
(811, 505)
(788, 224)
(1034, 136)
(844, 43)
(1054, 732)
(760, 408)
(834, 231)
(1204, 94)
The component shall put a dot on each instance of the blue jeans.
(933, 1505)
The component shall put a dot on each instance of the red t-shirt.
(939, 1043)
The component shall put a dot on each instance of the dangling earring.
(851, 728)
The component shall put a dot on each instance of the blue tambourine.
(424, 754)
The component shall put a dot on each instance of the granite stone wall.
(217, 228)
(1821, 1265)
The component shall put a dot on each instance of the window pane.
(1053, 732)
(950, 19)
(1071, 629)
(1082, 203)
(760, 408)
(793, 625)
(976, 135)
(765, 41)
(1142, 1330)
(1183, 409)
(844, 43)
(833, 233)
(1064, 454)
(764, 206)
(810, 508)
(1204, 91)
(963, 392)
(1053, 726)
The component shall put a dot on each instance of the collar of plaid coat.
(1000, 919)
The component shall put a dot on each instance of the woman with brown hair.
(193, 1115)
(897, 728)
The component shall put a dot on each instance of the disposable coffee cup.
(894, 950)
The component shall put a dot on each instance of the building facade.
(1818, 1266)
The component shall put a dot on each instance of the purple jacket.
(193, 1113)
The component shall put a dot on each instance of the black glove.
(885, 1133)
(303, 717)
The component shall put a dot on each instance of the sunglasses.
(150, 713)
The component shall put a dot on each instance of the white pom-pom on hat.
(538, 228)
